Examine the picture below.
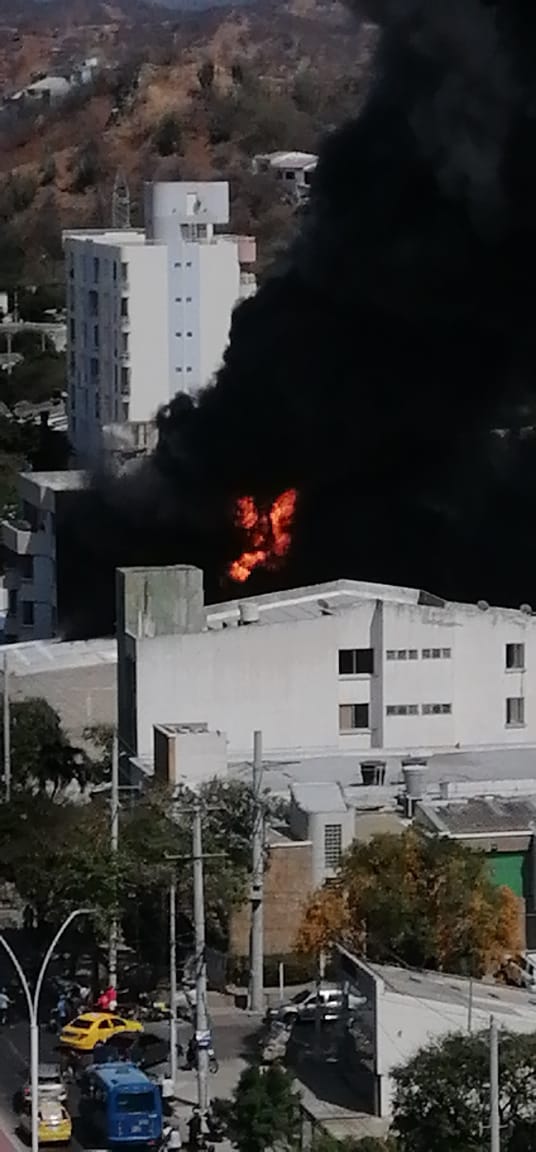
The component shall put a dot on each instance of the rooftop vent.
(248, 612)
(414, 772)
(373, 772)
(526, 608)
(483, 605)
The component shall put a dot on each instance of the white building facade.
(149, 311)
(344, 667)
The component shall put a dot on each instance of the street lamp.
(33, 1013)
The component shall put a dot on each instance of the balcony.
(18, 537)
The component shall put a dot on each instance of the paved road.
(234, 1037)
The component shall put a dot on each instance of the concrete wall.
(287, 886)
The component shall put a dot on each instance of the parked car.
(50, 1086)
(303, 1006)
(521, 970)
(54, 1122)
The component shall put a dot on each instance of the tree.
(265, 1111)
(205, 75)
(441, 1096)
(167, 137)
(426, 901)
(42, 756)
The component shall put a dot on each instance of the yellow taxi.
(87, 1029)
(54, 1123)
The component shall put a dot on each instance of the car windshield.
(81, 1023)
(135, 1102)
(300, 997)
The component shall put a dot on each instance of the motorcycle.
(191, 1058)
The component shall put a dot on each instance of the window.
(12, 603)
(124, 307)
(177, 264)
(436, 653)
(188, 299)
(124, 273)
(135, 1102)
(93, 367)
(515, 656)
(353, 716)
(178, 335)
(354, 661)
(426, 653)
(93, 301)
(96, 339)
(27, 567)
(72, 331)
(178, 299)
(515, 711)
(446, 653)
(188, 369)
(125, 381)
(391, 654)
(413, 653)
(188, 333)
(27, 612)
(188, 263)
(332, 845)
(178, 367)
(115, 271)
(436, 709)
(402, 710)
(125, 337)
(402, 654)
(290, 175)
(96, 268)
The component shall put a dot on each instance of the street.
(234, 1038)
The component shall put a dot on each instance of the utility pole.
(202, 1025)
(114, 844)
(173, 979)
(470, 1006)
(256, 962)
(7, 732)
(495, 1128)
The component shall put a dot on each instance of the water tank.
(249, 612)
(414, 773)
(373, 772)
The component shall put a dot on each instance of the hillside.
(189, 97)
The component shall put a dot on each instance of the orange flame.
(267, 532)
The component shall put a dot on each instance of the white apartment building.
(344, 667)
(149, 312)
(31, 554)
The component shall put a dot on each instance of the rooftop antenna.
(120, 202)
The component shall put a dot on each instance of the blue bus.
(121, 1105)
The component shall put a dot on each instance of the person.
(194, 1129)
(174, 1142)
(107, 1001)
(4, 1005)
(62, 1010)
(191, 1052)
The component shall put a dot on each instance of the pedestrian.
(194, 1129)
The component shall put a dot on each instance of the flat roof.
(319, 797)
(481, 815)
(441, 987)
(69, 480)
(31, 657)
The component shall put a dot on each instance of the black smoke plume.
(387, 368)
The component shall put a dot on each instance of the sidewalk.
(222, 1083)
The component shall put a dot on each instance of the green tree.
(42, 756)
(424, 900)
(265, 1111)
(442, 1095)
(167, 136)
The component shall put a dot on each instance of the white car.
(303, 1006)
(50, 1085)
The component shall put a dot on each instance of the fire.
(267, 531)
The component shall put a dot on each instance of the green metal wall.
(508, 868)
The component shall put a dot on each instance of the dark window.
(27, 612)
(353, 716)
(96, 267)
(124, 307)
(27, 567)
(515, 711)
(436, 709)
(12, 603)
(515, 656)
(353, 661)
(135, 1102)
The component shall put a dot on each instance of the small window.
(188, 333)
(436, 709)
(356, 661)
(115, 271)
(515, 656)
(178, 368)
(178, 335)
(188, 263)
(515, 711)
(413, 654)
(27, 567)
(12, 603)
(332, 845)
(124, 307)
(124, 273)
(177, 264)
(390, 654)
(402, 654)
(426, 653)
(188, 369)
(178, 299)
(446, 653)
(188, 299)
(353, 716)
(27, 612)
(436, 653)
(96, 267)
(402, 710)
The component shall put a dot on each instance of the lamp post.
(33, 1013)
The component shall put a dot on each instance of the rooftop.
(290, 159)
(31, 657)
(319, 797)
(67, 481)
(479, 816)
(488, 998)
